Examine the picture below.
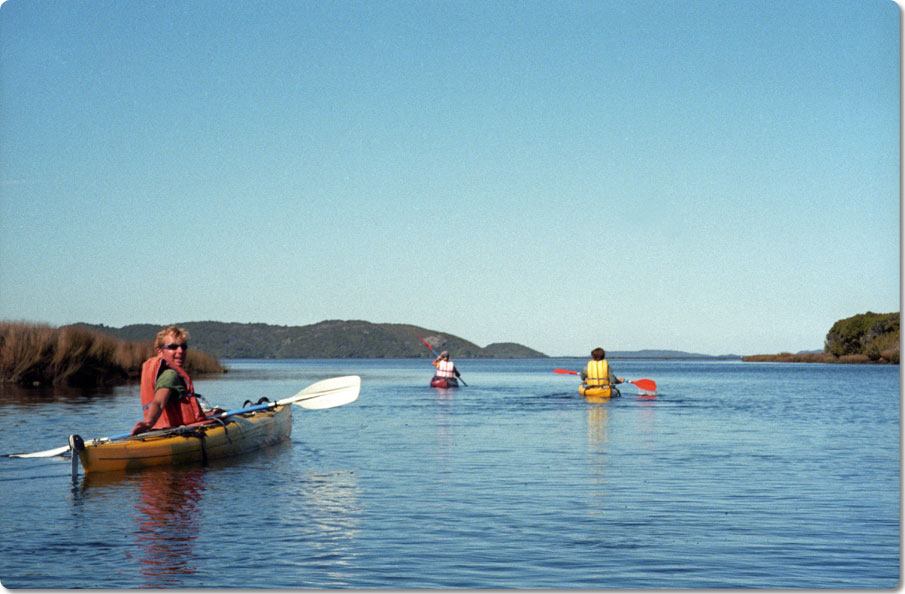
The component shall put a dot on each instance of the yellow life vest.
(598, 373)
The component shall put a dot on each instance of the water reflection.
(647, 418)
(331, 519)
(444, 394)
(444, 432)
(161, 511)
(14, 395)
(167, 516)
(598, 422)
(168, 524)
(598, 412)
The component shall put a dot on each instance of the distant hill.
(330, 339)
(664, 354)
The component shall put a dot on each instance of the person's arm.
(613, 379)
(154, 410)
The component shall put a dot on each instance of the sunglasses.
(173, 346)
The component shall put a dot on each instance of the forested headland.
(863, 338)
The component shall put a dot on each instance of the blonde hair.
(180, 334)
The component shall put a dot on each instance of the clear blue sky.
(704, 175)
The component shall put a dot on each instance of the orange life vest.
(184, 411)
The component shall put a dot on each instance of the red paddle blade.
(566, 371)
(645, 384)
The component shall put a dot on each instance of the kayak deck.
(598, 391)
(237, 434)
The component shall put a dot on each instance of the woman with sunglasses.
(167, 396)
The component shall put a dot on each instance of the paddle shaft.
(253, 408)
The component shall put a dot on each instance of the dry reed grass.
(39, 354)
(890, 356)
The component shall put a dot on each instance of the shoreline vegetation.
(38, 354)
(81, 355)
(818, 358)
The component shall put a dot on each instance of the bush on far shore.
(39, 354)
(891, 356)
(821, 358)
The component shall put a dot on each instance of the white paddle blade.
(45, 454)
(327, 393)
(338, 398)
(331, 384)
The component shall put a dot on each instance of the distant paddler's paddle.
(647, 385)
(424, 342)
(327, 393)
(436, 355)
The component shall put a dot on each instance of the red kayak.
(444, 382)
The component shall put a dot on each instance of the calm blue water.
(735, 475)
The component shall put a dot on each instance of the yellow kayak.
(598, 391)
(236, 434)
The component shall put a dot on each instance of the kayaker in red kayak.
(167, 396)
(598, 371)
(446, 370)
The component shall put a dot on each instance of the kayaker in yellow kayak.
(598, 373)
(167, 396)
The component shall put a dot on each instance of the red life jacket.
(184, 411)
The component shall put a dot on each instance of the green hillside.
(331, 339)
(875, 336)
